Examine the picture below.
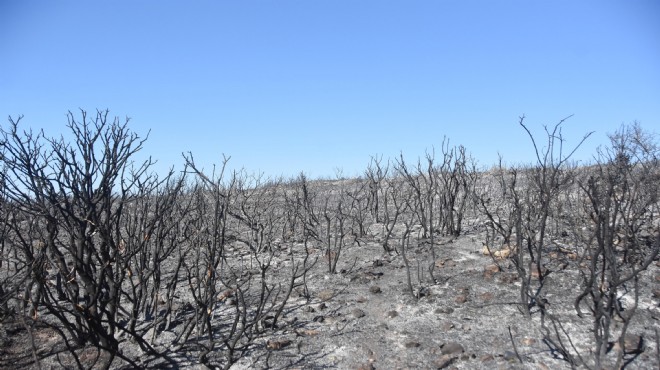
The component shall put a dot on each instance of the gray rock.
(358, 313)
(632, 343)
(487, 358)
(444, 310)
(460, 299)
(412, 344)
(452, 348)
(510, 356)
(444, 361)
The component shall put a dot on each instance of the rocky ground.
(365, 317)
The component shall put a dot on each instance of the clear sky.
(318, 85)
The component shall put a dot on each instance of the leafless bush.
(620, 200)
(299, 228)
(213, 269)
(236, 297)
(523, 207)
(11, 275)
(376, 175)
(356, 198)
(394, 205)
(416, 286)
(456, 178)
(335, 230)
(439, 193)
(71, 199)
(499, 199)
(152, 233)
(605, 214)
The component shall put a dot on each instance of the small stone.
(503, 253)
(487, 358)
(461, 299)
(536, 274)
(492, 268)
(632, 344)
(412, 344)
(444, 310)
(467, 356)
(490, 271)
(360, 299)
(375, 289)
(322, 306)
(508, 278)
(529, 341)
(445, 263)
(325, 295)
(318, 319)
(451, 348)
(510, 355)
(277, 344)
(444, 361)
(358, 313)
(392, 314)
(226, 294)
(307, 332)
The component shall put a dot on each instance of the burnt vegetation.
(106, 264)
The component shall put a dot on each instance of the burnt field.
(434, 263)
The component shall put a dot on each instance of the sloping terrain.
(367, 318)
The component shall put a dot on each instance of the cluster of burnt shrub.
(105, 253)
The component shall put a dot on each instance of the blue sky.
(315, 86)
